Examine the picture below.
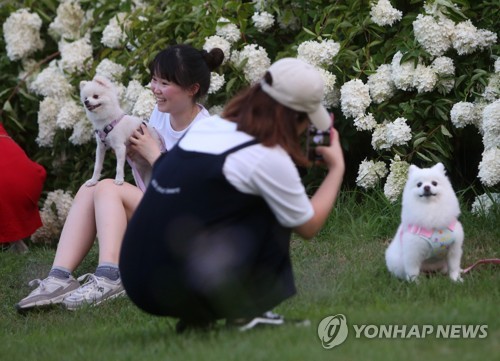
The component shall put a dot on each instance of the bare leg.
(114, 205)
(79, 230)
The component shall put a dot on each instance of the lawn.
(342, 271)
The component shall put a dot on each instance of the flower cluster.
(354, 98)
(227, 30)
(263, 21)
(68, 22)
(216, 41)
(381, 84)
(463, 113)
(47, 117)
(424, 78)
(21, 32)
(76, 56)
(51, 82)
(467, 38)
(396, 179)
(113, 35)
(54, 212)
(445, 70)
(402, 74)
(383, 13)
(434, 34)
(144, 105)
(484, 203)
(109, 69)
(69, 114)
(389, 134)
(491, 125)
(257, 61)
(319, 54)
(489, 167)
(216, 82)
(370, 173)
(365, 122)
(330, 98)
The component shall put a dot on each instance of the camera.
(316, 138)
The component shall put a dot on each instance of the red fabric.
(21, 183)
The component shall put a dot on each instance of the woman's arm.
(144, 144)
(326, 195)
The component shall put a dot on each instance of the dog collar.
(102, 134)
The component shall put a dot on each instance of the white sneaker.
(51, 290)
(93, 292)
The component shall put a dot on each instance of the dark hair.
(269, 121)
(185, 66)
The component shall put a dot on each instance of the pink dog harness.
(439, 239)
(107, 129)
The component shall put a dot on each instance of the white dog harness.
(439, 239)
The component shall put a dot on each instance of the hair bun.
(213, 58)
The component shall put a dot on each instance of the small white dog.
(430, 236)
(113, 128)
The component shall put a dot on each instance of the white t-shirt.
(268, 172)
(161, 122)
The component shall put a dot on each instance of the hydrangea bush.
(409, 82)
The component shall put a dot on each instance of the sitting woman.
(210, 239)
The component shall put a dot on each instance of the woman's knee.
(105, 188)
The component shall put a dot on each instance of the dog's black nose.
(86, 102)
(427, 188)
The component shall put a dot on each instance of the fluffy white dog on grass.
(430, 236)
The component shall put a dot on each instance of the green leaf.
(446, 132)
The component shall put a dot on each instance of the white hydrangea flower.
(216, 82)
(489, 167)
(21, 32)
(354, 98)
(53, 214)
(68, 22)
(262, 21)
(319, 54)
(484, 203)
(257, 64)
(396, 179)
(260, 5)
(382, 13)
(227, 30)
(365, 122)
(398, 132)
(216, 110)
(379, 139)
(370, 173)
(47, 117)
(83, 132)
(497, 65)
(381, 85)
(434, 34)
(70, 113)
(424, 79)
(113, 35)
(130, 95)
(467, 38)
(144, 105)
(402, 74)
(51, 82)
(463, 113)
(216, 41)
(109, 69)
(491, 125)
(76, 57)
(492, 90)
(330, 97)
(444, 68)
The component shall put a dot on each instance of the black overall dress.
(198, 249)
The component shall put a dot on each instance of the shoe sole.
(43, 303)
(77, 306)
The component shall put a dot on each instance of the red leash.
(487, 260)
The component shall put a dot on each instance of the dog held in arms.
(113, 129)
(430, 236)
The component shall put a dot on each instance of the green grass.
(341, 271)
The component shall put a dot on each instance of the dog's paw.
(90, 183)
(118, 181)
(455, 277)
(412, 278)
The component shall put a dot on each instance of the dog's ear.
(440, 167)
(99, 79)
(83, 83)
(412, 169)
